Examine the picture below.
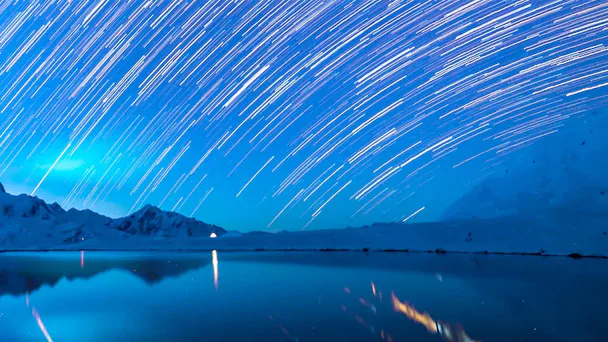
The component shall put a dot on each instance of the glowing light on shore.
(216, 273)
(213, 235)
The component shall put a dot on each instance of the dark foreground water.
(294, 296)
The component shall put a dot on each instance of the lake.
(300, 296)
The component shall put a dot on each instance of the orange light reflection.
(408, 310)
(449, 333)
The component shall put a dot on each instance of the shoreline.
(438, 251)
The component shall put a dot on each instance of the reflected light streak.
(81, 259)
(283, 329)
(216, 273)
(41, 325)
(358, 319)
(422, 318)
(385, 337)
(445, 330)
(368, 305)
(373, 289)
(454, 334)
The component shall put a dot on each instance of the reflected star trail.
(286, 115)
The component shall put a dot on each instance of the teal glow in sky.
(277, 115)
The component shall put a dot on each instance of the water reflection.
(411, 313)
(216, 272)
(26, 273)
(446, 331)
(41, 325)
(38, 319)
(283, 329)
(284, 299)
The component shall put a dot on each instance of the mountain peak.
(151, 220)
(37, 218)
(148, 207)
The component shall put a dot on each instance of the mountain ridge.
(24, 217)
(562, 184)
(30, 224)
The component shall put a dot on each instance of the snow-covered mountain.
(27, 221)
(562, 178)
(152, 221)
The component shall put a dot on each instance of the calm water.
(300, 297)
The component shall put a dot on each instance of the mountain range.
(30, 221)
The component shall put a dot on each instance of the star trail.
(286, 114)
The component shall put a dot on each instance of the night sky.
(274, 115)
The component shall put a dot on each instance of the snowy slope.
(152, 221)
(502, 235)
(29, 222)
(560, 178)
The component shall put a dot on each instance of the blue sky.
(286, 115)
